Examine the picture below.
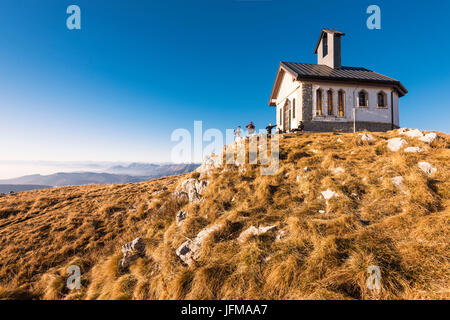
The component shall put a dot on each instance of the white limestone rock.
(131, 251)
(367, 137)
(210, 162)
(254, 231)
(398, 182)
(338, 170)
(329, 194)
(427, 167)
(429, 137)
(413, 133)
(189, 250)
(395, 144)
(413, 150)
(192, 189)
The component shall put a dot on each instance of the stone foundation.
(328, 126)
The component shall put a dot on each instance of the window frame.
(330, 102)
(319, 106)
(366, 99)
(341, 103)
(384, 95)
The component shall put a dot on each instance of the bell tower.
(328, 48)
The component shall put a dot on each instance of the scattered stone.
(338, 170)
(367, 137)
(339, 140)
(413, 150)
(253, 231)
(396, 144)
(180, 217)
(429, 137)
(298, 179)
(413, 133)
(131, 251)
(328, 194)
(427, 167)
(306, 169)
(322, 211)
(398, 182)
(189, 251)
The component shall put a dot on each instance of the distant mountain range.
(134, 172)
(7, 188)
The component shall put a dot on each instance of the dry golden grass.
(324, 254)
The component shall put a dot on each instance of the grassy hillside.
(319, 249)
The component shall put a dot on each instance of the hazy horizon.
(10, 169)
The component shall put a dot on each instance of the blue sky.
(137, 70)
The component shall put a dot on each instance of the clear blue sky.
(116, 89)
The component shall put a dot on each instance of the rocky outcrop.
(131, 251)
(210, 162)
(189, 251)
(190, 190)
(254, 231)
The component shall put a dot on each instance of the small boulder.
(427, 167)
(367, 137)
(189, 250)
(413, 133)
(329, 194)
(253, 231)
(398, 182)
(396, 144)
(413, 150)
(131, 251)
(429, 137)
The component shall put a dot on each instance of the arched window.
(381, 99)
(319, 102)
(362, 99)
(341, 103)
(330, 102)
(293, 109)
